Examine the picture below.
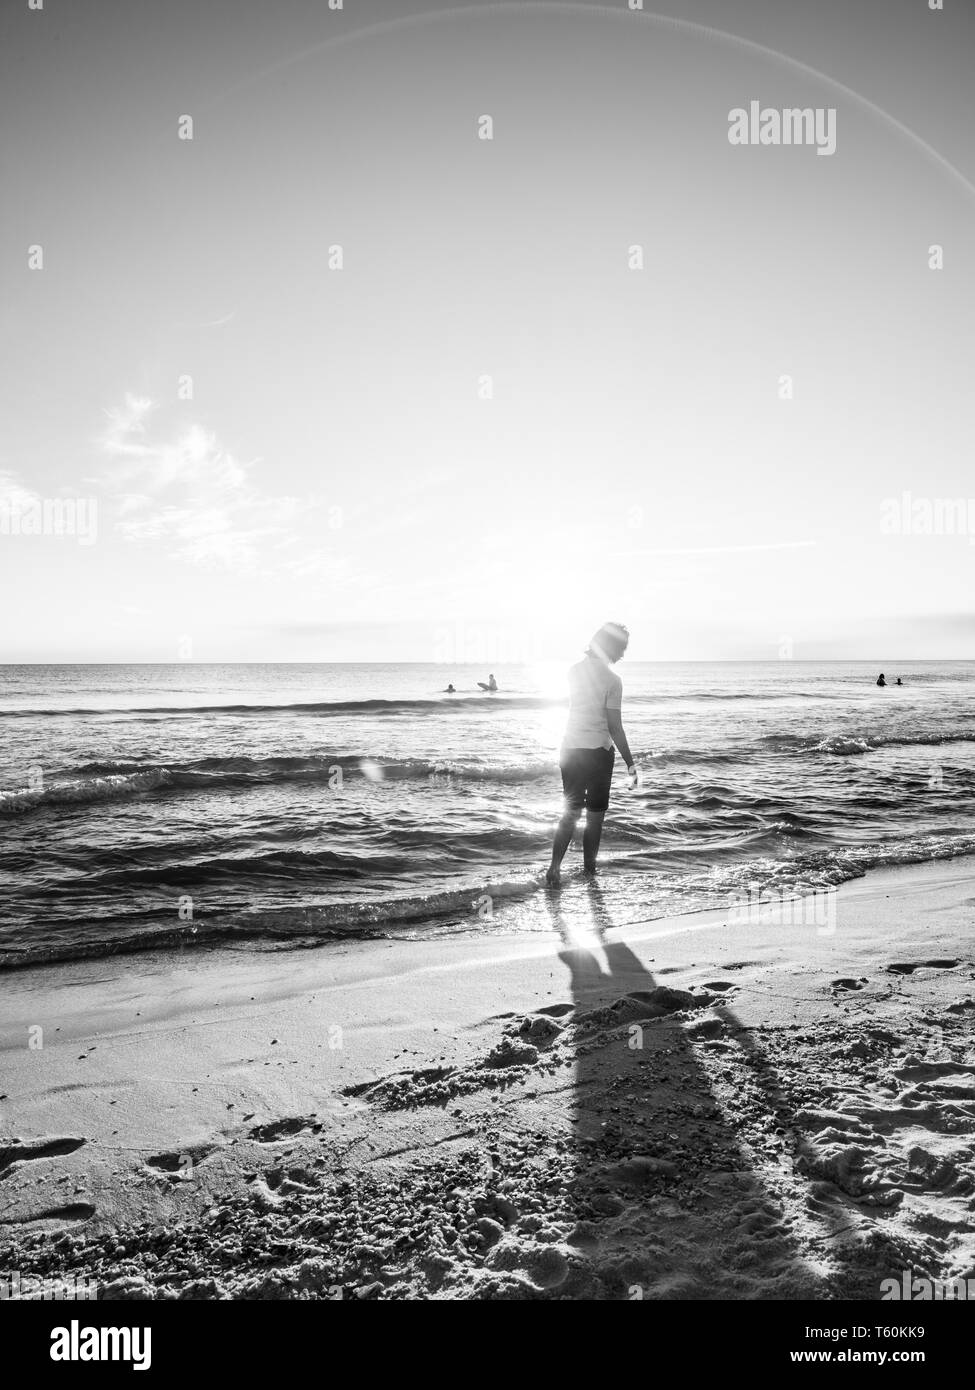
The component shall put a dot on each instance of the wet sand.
(691, 1108)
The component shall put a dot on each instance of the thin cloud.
(190, 492)
(126, 425)
(14, 496)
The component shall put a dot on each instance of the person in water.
(898, 681)
(881, 679)
(587, 755)
(490, 684)
(450, 690)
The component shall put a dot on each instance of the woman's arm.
(614, 719)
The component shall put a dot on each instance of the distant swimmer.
(881, 680)
(491, 684)
(898, 681)
(450, 690)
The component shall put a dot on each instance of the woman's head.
(610, 642)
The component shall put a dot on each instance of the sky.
(339, 379)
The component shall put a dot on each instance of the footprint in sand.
(422, 1076)
(902, 968)
(646, 1004)
(704, 1029)
(926, 1172)
(53, 1218)
(541, 1029)
(180, 1160)
(17, 1153)
(846, 982)
(542, 1266)
(942, 1080)
(284, 1129)
(283, 1182)
(926, 1071)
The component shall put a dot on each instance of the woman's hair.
(610, 642)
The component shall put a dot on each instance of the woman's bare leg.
(590, 840)
(563, 838)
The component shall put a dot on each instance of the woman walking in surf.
(587, 755)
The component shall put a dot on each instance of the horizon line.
(480, 665)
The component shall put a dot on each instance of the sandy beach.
(684, 1108)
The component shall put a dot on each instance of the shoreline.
(411, 913)
(805, 1099)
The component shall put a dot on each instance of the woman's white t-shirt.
(593, 689)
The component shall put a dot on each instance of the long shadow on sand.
(684, 1182)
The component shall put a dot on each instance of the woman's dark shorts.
(586, 777)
